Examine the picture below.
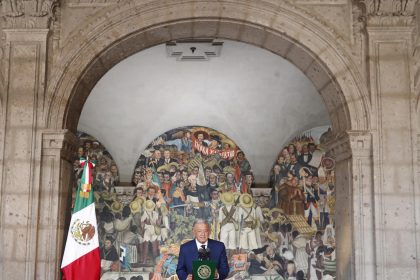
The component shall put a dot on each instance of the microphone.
(204, 254)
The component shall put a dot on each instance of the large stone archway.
(117, 32)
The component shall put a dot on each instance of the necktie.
(203, 247)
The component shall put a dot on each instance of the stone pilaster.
(58, 148)
(25, 60)
(390, 63)
(25, 26)
(352, 151)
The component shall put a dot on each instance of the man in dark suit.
(190, 252)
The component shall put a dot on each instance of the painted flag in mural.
(81, 258)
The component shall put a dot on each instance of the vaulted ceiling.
(256, 98)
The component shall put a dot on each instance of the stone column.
(58, 150)
(352, 152)
(26, 32)
(390, 31)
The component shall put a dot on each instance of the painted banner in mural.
(284, 230)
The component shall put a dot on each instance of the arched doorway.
(286, 32)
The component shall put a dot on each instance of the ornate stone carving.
(389, 7)
(28, 13)
(388, 12)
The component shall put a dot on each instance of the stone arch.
(280, 28)
(286, 31)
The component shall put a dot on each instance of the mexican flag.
(81, 260)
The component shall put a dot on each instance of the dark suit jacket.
(189, 252)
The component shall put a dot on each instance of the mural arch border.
(282, 29)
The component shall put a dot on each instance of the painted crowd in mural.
(284, 230)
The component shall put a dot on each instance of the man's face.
(311, 148)
(107, 244)
(81, 152)
(201, 232)
(195, 171)
(215, 195)
(304, 148)
(200, 137)
(213, 179)
(293, 159)
(114, 169)
(229, 178)
(167, 154)
(157, 154)
(208, 171)
(166, 177)
(222, 178)
(248, 179)
(107, 176)
(151, 192)
(184, 175)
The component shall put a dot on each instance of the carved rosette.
(28, 14)
(63, 143)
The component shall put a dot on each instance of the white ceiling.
(256, 98)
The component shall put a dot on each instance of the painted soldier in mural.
(151, 228)
(249, 223)
(229, 222)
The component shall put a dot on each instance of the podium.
(203, 270)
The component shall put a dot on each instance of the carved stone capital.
(389, 7)
(349, 144)
(28, 13)
(61, 142)
(388, 12)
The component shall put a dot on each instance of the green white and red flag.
(81, 260)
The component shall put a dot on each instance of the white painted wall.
(258, 99)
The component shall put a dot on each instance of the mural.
(284, 231)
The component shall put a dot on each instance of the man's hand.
(189, 277)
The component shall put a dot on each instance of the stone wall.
(360, 56)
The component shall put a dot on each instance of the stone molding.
(28, 14)
(62, 141)
(389, 7)
(213, 19)
(388, 12)
(349, 144)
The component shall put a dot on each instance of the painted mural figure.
(196, 172)
(228, 220)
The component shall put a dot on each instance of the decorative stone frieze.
(28, 13)
(389, 12)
